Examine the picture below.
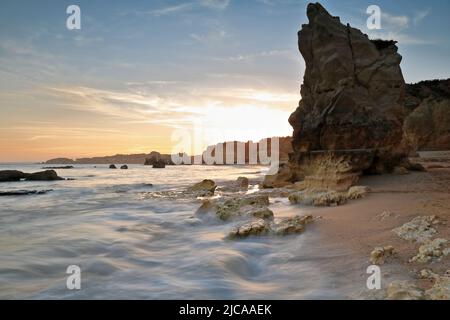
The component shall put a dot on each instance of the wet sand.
(360, 227)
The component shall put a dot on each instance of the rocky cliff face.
(350, 118)
(427, 125)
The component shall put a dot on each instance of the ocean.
(132, 240)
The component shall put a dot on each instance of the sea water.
(132, 242)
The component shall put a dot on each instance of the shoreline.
(358, 226)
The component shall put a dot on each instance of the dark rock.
(62, 167)
(47, 175)
(160, 164)
(112, 166)
(15, 175)
(23, 192)
(206, 186)
(124, 167)
(156, 158)
(11, 175)
(242, 182)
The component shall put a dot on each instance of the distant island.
(285, 147)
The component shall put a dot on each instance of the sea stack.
(349, 120)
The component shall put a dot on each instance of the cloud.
(210, 37)
(171, 9)
(394, 21)
(420, 15)
(395, 27)
(218, 5)
(81, 41)
(402, 38)
(125, 105)
(262, 54)
(215, 4)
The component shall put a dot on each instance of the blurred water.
(131, 246)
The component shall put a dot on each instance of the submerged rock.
(318, 198)
(23, 192)
(418, 229)
(248, 205)
(404, 290)
(379, 255)
(430, 250)
(204, 188)
(357, 192)
(159, 164)
(252, 228)
(62, 167)
(291, 225)
(386, 215)
(279, 227)
(242, 182)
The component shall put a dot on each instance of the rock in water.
(47, 175)
(22, 192)
(350, 118)
(252, 228)
(112, 166)
(124, 167)
(15, 175)
(227, 208)
(159, 164)
(242, 182)
(205, 187)
(11, 175)
(280, 227)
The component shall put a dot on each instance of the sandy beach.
(363, 224)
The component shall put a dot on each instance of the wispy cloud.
(394, 21)
(420, 16)
(402, 38)
(183, 7)
(210, 37)
(398, 27)
(171, 9)
(262, 54)
(215, 4)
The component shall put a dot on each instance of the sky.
(153, 75)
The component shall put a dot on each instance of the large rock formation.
(158, 160)
(15, 175)
(350, 118)
(427, 126)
